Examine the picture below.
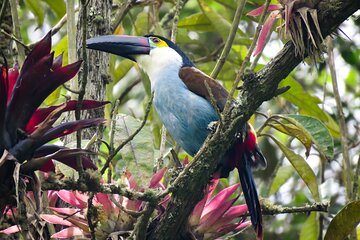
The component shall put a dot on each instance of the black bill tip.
(121, 45)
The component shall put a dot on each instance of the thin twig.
(112, 133)
(213, 101)
(343, 128)
(225, 52)
(90, 214)
(141, 226)
(15, 39)
(210, 57)
(128, 89)
(71, 32)
(122, 144)
(16, 31)
(278, 209)
(2, 10)
(179, 6)
(356, 180)
(121, 14)
(56, 28)
(232, 236)
(241, 71)
(112, 117)
(159, 162)
(132, 213)
(164, 23)
(70, 90)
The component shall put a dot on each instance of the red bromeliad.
(300, 21)
(25, 128)
(213, 217)
(113, 211)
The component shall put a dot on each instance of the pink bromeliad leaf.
(208, 221)
(71, 198)
(67, 128)
(104, 200)
(258, 11)
(3, 98)
(199, 208)
(68, 159)
(68, 233)
(50, 218)
(264, 32)
(156, 178)
(220, 198)
(41, 113)
(231, 214)
(13, 74)
(10, 230)
(66, 211)
(229, 228)
(52, 197)
(65, 155)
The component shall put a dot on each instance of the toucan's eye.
(155, 40)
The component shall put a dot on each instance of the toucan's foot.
(212, 126)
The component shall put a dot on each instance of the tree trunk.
(5, 42)
(95, 65)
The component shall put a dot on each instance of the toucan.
(183, 103)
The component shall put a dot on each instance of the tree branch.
(278, 209)
(93, 185)
(257, 88)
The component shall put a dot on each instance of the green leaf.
(282, 175)
(319, 134)
(121, 70)
(308, 130)
(196, 22)
(228, 3)
(344, 222)
(62, 47)
(292, 128)
(37, 10)
(138, 154)
(310, 228)
(67, 171)
(141, 24)
(308, 104)
(301, 167)
(58, 6)
(53, 97)
(59, 48)
(228, 72)
(221, 25)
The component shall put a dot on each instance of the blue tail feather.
(250, 192)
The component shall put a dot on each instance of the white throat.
(160, 60)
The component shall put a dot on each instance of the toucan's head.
(150, 52)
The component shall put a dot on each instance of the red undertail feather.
(244, 155)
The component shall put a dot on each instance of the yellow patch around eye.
(161, 43)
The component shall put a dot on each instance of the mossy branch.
(257, 88)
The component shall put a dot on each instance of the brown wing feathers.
(195, 80)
